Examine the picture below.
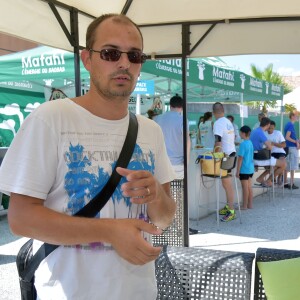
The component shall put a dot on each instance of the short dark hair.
(230, 117)
(218, 108)
(272, 123)
(264, 121)
(245, 129)
(119, 18)
(176, 101)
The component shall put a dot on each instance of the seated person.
(260, 141)
(278, 142)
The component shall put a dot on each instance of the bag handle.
(202, 178)
(98, 202)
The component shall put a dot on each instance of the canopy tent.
(209, 82)
(39, 69)
(189, 27)
(197, 28)
(30, 77)
(293, 98)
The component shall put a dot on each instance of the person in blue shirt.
(171, 123)
(293, 146)
(245, 166)
(260, 141)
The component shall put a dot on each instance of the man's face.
(294, 118)
(114, 79)
(271, 129)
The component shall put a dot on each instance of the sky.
(284, 64)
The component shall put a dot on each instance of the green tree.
(289, 108)
(268, 75)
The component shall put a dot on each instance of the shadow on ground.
(5, 234)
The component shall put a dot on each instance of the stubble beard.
(110, 93)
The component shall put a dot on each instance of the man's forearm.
(162, 210)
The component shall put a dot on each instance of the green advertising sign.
(34, 69)
(216, 78)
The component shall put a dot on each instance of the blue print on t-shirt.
(81, 184)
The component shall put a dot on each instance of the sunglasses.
(134, 56)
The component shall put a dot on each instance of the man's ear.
(86, 58)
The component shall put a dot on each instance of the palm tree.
(268, 75)
(289, 108)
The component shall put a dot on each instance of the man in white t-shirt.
(278, 142)
(62, 157)
(224, 139)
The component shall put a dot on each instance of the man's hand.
(126, 238)
(141, 187)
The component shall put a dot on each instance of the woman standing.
(205, 132)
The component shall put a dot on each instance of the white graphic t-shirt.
(65, 155)
(224, 128)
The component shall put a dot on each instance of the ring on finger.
(148, 191)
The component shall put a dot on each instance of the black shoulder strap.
(97, 203)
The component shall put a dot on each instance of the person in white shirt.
(224, 139)
(278, 142)
(237, 138)
(61, 158)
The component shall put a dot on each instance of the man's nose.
(124, 62)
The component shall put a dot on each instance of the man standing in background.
(292, 144)
(171, 123)
(259, 116)
(224, 138)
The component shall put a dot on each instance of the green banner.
(215, 77)
(34, 69)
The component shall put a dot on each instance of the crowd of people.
(224, 135)
(282, 148)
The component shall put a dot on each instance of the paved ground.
(266, 225)
(9, 247)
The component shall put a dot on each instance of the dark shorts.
(278, 155)
(245, 176)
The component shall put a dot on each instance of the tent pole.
(75, 35)
(242, 112)
(281, 116)
(185, 52)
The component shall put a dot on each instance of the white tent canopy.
(293, 98)
(217, 27)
